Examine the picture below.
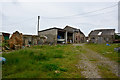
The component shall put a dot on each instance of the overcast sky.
(86, 16)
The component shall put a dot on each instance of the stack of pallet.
(16, 40)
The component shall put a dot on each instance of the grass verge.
(107, 51)
(105, 72)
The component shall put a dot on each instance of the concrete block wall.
(50, 34)
(104, 39)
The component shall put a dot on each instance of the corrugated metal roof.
(51, 29)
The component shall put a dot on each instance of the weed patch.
(105, 72)
(42, 62)
(64, 69)
(50, 67)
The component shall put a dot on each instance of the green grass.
(107, 51)
(105, 72)
(42, 62)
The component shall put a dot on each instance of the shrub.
(5, 43)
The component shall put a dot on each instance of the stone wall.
(79, 38)
(51, 35)
(101, 39)
(31, 40)
(27, 40)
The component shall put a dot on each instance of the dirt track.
(90, 60)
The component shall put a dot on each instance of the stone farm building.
(102, 36)
(75, 35)
(31, 40)
(66, 35)
(52, 34)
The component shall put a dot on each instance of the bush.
(5, 43)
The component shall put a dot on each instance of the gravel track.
(90, 69)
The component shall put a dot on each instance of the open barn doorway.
(61, 36)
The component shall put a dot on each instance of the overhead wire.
(80, 13)
(76, 15)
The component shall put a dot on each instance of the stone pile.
(16, 40)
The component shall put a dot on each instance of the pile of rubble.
(16, 40)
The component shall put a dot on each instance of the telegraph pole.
(38, 23)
